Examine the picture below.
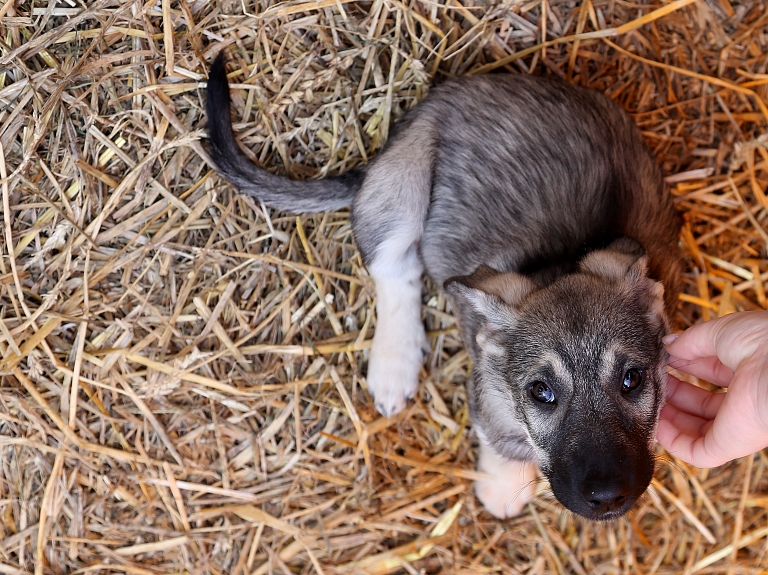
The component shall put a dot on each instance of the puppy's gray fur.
(539, 208)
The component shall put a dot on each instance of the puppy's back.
(532, 173)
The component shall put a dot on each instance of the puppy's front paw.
(393, 369)
(511, 486)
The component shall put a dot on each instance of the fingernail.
(667, 339)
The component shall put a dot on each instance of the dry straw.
(181, 386)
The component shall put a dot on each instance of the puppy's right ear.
(486, 285)
(490, 300)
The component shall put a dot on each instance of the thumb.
(732, 339)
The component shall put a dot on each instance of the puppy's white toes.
(503, 499)
(391, 394)
(511, 486)
(393, 371)
(392, 381)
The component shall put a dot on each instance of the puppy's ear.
(622, 258)
(489, 299)
(492, 294)
(625, 261)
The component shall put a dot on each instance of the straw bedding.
(182, 385)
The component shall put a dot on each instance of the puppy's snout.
(601, 484)
(602, 472)
(605, 495)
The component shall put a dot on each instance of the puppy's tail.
(279, 192)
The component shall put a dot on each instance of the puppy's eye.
(632, 380)
(541, 392)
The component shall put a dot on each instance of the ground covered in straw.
(182, 370)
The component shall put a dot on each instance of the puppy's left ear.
(489, 299)
(625, 261)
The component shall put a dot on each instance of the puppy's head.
(574, 369)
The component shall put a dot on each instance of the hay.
(181, 388)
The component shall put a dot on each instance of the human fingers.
(733, 427)
(709, 369)
(693, 400)
(691, 439)
(731, 338)
(685, 447)
(683, 422)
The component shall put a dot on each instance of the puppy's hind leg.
(388, 219)
(399, 344)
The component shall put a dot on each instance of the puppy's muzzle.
(601, 483)
(607, 495)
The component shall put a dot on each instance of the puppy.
(539, 209)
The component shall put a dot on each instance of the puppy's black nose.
(604, 496)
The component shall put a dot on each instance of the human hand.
(707, 428)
